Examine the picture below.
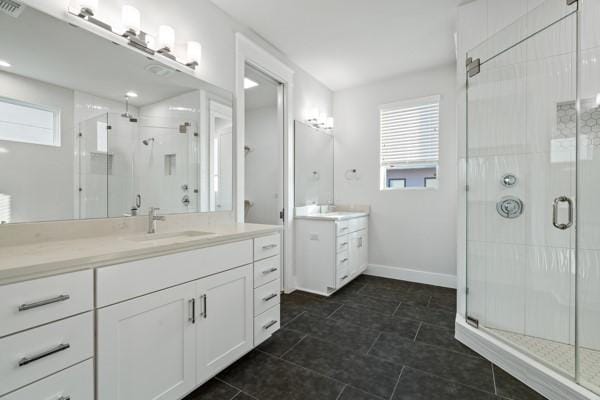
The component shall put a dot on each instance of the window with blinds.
(409, 153)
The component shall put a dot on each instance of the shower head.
(146, 142)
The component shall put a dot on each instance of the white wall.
(408, 229)
(264, 176)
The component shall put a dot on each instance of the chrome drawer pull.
(270, 324)
(268, 271)
(28, 360)
(344, 277)
(345, 228)
(269, 246)
(203, 312)
(344, 244)
(192, 317)
(270, 297)
(64, 398)
(344, 260)
(57, 299)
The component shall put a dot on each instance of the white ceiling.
(346, 43)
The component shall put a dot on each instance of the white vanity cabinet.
(330, 252)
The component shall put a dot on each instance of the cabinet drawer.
(267, 246)
(75, 383)
(36, 353)
(357, 224)
(343, 243)
(267, 270)
(342, 260)
(27, 304)
(342, 227)
(266, 296)
(266, 324)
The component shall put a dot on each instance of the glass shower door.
(521, 187)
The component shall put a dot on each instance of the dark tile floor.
(375, 339)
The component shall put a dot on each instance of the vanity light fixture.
(87, 9)
(329, 123)
(131, 20)
(312, 116)
(166, 41)
(249, 83)
(194, 54)
(4, 64)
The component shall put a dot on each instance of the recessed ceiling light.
(131, 94)
(249, 83)
(5, 64)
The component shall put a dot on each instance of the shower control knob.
(510, 207)
(509, 180)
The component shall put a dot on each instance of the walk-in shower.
(533, 182)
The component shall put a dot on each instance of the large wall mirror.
(313, 166)
(90, 129)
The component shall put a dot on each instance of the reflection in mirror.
(314, 166)
(90, 129)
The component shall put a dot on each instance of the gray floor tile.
(367, 373)
(243, 396)
(269, 378)
(376, 321)
(213, 390)
(380, 305)
(351, 393)
(395, 294)
(342, 333)
(298, 302)
(511, 388)
(432, 290)
(433, 316)
(447, 303)
(281, 341)
(418, 385)
(471, 371)
(438, 336)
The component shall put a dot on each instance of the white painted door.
(224, 321)
(146, 347)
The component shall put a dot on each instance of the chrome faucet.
(152, 218)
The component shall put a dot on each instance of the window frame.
(407, 103)
(56, 130)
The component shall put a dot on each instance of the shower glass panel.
(521, 186)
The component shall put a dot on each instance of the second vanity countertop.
(30, 261)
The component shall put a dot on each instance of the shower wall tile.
(556, 39)
(549, 294)
(590, 29)
(589, 299)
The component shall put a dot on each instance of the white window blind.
(28, 123)
(410, 133)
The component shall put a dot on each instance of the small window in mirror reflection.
(410, 178)
(396, 183)
(29, 123)
(170, 164)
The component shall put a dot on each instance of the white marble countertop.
(30, 261)
(334, 216)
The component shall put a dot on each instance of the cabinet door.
(225, 320)
(146, 346)
(363, 250)
(354, 253)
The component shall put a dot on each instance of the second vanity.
(331, 249)
(153, 318)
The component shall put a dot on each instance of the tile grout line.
(339, 396)
(397, 383)
(418, 330)
(230, 385)
(494, 379)
(396, 310)
(373, 344)
(334, 311)
(294, 346)
(293, 319)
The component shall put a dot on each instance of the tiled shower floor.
(375, 339)
(559, 355)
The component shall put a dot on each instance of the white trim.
(412, 275)
(248, 52)
(534, 374)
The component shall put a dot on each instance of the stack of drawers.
(47, 338)
(267, 286)
(350, 243)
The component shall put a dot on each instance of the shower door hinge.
(473, 67)
(282, 214)
(473, 322)
(80, 134)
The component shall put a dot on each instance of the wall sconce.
(194, 54)
(312, 116)
(329, 123)
(132, 22)
(166, 41)
(319, 120)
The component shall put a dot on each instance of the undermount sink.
(169, 235)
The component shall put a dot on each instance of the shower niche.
(108, 134)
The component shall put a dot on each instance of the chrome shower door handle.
(557, 201)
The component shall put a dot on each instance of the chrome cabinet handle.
(28, 360)
(270, 324)
(57, 299)
(64, 398)
(268, 271)
(344, 244)
(344, 260)
(344, 277)
(557, 201)
(203, 312)
(192, 317)
(270, 297)
(345, 228)
(269, 246)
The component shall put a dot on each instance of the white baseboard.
(412, 275)
(529, 371)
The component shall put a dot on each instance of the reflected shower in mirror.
(108, 134)
(313, 166)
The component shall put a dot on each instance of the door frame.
(249, 53)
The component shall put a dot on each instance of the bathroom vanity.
(331, 249)
(147, 318)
